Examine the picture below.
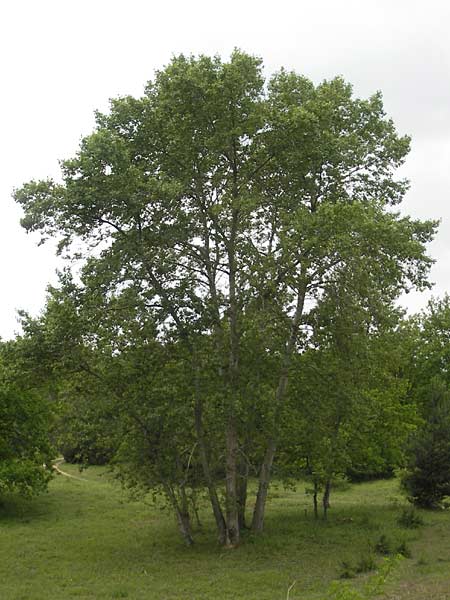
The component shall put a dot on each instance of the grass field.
(85, 540)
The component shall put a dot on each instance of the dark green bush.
(87, 455)
(427, 478)
(359, 474)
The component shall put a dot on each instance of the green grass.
(85, 540)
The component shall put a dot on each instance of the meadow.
(85, 539)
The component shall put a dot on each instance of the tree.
(347, 406)
(224, 203)
(427, 478)
(126, 400)
(430, 349)
(25, 449)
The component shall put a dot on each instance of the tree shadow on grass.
(16, 508)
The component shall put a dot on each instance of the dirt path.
(56, 468)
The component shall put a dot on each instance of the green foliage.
(371, 589)
(427, 478)
(386, 546)
(410, 518)
(217, 218)
(347, 570)
(404, 550)
(383, 545)
(25, 447)
(429, 350)
(366, 563)
(348, 409)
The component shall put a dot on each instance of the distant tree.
(347, 404)
(25, 449)
(50, 360)
(427, 478)
(430, 349)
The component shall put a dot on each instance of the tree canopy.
(25, 421)
(218, 211)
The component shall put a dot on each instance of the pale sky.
(61, 60)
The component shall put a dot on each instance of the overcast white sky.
(61, 60)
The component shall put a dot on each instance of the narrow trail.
(56, 468)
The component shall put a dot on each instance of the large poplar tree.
(230, 205)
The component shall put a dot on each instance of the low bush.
(409, 518)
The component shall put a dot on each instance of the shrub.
(409, 518)
(383, 545)
(358, 474)
(90, 455)
(404, 550)
(366, 563)
(347, 570)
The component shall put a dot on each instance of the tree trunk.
(263, 488)
(266, 466)
(193, 500)
(232, 448)
(213, 497)
(242, 492)
(316, 507)
(232, 438)
(181, 512)
(184, 525)
(326, 498)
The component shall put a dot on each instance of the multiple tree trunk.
(214, 184)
